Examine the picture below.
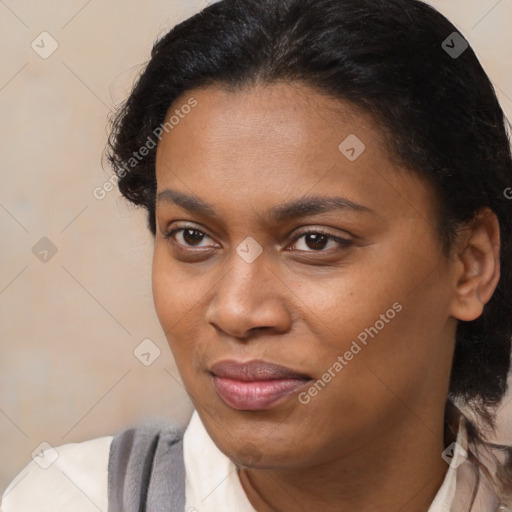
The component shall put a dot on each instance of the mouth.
(255, 385)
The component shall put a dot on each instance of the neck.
(399, 470)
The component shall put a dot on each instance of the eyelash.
(343, 242)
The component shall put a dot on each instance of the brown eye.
(190, 237)
(318, 241)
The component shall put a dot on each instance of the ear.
(477, 265)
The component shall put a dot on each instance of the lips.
(254, 371)
(255, 385)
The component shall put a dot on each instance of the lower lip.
(255, 395)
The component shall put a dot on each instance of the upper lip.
(254, 370)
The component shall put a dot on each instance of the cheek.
(175, 293)
(394, 348)
(337, 306)
(165, 291)
(180, 293)
(176, 297)
(385, 317)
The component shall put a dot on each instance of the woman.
(326, 184)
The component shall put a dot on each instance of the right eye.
(190, 237)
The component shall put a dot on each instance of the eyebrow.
(280, 213)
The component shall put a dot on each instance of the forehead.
(293, 116)
(274, 129)
(266, 143)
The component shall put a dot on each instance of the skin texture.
(372, 438)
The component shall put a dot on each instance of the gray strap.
(167, 484)
(146, 471)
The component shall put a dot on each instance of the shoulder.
(73, 477)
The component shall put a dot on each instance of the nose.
(249, 297)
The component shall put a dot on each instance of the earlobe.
(477, 269)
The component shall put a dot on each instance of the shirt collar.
(454, 455)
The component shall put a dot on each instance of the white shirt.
(77, 480)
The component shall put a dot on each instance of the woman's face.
(318, 254)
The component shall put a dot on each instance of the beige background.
(69, 326)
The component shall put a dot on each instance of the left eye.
(317, 241)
